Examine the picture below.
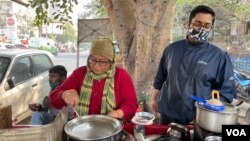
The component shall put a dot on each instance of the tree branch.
(21, 2)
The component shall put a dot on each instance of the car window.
(4, 64)
(21, 70)
(42, 63)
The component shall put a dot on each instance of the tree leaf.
(57, 16)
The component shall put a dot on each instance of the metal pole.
(77, 55)
(78, 48)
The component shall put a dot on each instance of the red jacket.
(125, 94)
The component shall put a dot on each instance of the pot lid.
(93, 127)
(228, 108)
(214, 107)
(202, 102)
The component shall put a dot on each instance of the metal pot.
(213, 120)
(178, 132)
(94, 128)
(213, 138)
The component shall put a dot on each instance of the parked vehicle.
(23, 79)
(2, 46)
(6, 46)
(242, 82)
(42, 43)
(21, 46)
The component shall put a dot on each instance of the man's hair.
(202, 9)
(59, 69)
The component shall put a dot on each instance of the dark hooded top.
(190, 70)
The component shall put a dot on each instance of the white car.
(23, 79)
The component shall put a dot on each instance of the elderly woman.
(100, 87)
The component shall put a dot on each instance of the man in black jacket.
(191, 67)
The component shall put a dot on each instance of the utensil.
(154, 137)
(214, 103)
(75, 111)
(205, 104)
(143, 118)
(213, 138)
(198, 99)
(178, 131)
(139, 132)
(215, 100)
(94, 128)
(212, 120)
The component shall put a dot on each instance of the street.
(69, 60)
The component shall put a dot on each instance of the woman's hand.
(71, 97)
(116, 114)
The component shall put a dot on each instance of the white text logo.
(236, 132)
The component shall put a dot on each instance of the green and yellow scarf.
(108, 98)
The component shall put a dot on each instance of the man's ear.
(186, 25)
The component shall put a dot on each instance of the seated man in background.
(45, 113)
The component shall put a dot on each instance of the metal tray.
(92, 127)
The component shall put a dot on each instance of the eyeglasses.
(199, 26)
(100, 63)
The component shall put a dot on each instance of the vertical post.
(78, 47)
(5, 117)
(77, 54)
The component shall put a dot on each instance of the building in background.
(53, 27)
(15, 21)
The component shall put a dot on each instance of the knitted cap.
(103, 47)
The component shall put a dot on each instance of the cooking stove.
(200, 134)
(166, 132)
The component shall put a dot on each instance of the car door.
(42, 63)
(21, 73)
(4, 64)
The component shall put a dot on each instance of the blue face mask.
(198, 35)
(54, 85)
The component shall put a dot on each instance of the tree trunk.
(143, 28)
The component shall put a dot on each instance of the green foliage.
(69, 34)
(52, 37)
(100, 9)
(63, 13)
(94, 9)
(70, 31)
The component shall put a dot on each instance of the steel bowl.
(144, 117)
(213, 138)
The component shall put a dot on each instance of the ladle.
(75, 111)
